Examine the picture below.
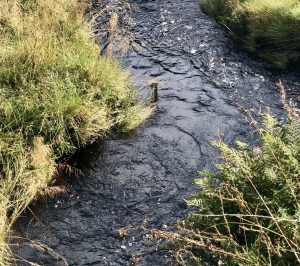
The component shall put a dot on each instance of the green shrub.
(56, 94)
(248, 212)
(250, 209)
(268, 28)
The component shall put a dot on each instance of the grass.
(56, 94)
(247, 212)
(268, 28)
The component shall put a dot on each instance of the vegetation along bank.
(268, 28)
(248, 212)
(56, 95)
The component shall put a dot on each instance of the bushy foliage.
(269, 28)
(56, 94)
(247, 212)
(250, 209)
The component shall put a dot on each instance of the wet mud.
(146, 175)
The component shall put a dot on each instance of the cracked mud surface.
(147, 174)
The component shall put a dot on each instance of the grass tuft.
(268, 28)
(56, 94)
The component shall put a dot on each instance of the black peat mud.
(147, 175)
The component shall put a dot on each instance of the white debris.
(193, 51)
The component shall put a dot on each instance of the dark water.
(147, 174)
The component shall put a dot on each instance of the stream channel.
(146, 175)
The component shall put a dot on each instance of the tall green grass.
(268, 28)
(56, 94)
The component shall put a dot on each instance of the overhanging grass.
(268, 28)
(56, 95)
